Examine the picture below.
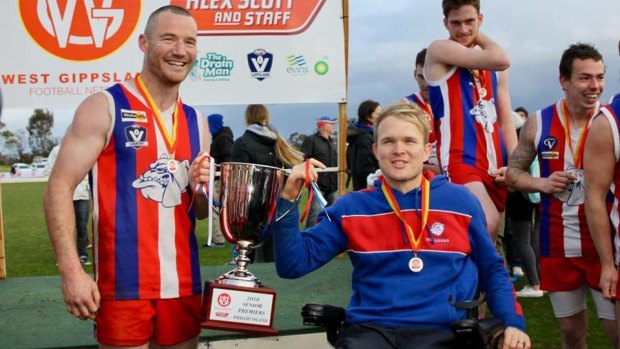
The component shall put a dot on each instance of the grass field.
(28, 253)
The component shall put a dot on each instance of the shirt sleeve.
(494, 277)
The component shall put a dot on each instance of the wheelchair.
(469, 333)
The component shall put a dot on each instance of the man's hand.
(515, 339)
(557, 182)
(499, 176)
(81, 295)
(297, 178)
(608, 281)
(200, 170)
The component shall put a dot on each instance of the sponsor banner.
(249, 51)
(252, 17)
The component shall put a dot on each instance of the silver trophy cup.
(248, 197)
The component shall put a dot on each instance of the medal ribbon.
(582, 136)
(170, 142)
(389, 196)
(313, 189)
(205, 189)
(425, 105)
(478, 83)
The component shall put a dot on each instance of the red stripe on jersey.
(456, 117)
(385, 232)
(182, 237)
(106, 239)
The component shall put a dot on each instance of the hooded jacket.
(457, 253)
(221, 145)
(256, 146)
(361, 160)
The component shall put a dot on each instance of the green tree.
(16, 144)
(39, 130)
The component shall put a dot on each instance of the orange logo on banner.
(80, 30)
(252, 17)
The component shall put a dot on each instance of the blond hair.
(407, 112)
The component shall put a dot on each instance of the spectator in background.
(422, 100)
(261, 144)
(323, 147)
(81, 207)
(221, 148)
(518, 229)
(361, 161)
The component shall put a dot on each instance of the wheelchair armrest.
(492, 327)
(324, 315)
(474, 333)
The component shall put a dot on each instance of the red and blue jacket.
(456, 250)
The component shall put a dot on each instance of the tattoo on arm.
(523, 155)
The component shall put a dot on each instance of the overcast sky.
(385, 36)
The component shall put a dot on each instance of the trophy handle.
(224, 225)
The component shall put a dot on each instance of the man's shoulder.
(445, 192)
(308, 140)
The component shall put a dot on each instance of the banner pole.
(342, 107)
(2, 256)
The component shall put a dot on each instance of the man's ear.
(428, 149)
(142, 42)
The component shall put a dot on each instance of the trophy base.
(238, 309)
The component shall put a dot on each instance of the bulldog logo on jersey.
(485, 114)
(575, 193)
(159, 184)
(437, 229)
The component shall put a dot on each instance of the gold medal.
(173, 166)
(416, 264)
(482, 92)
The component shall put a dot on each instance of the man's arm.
(598, 163)
(442, 55)
(200, 204)
(521, 158)
(504, 113)
(494, 280)
(517, 175)
(81, 146)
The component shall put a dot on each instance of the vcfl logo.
(80, 29)
(59, 24)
